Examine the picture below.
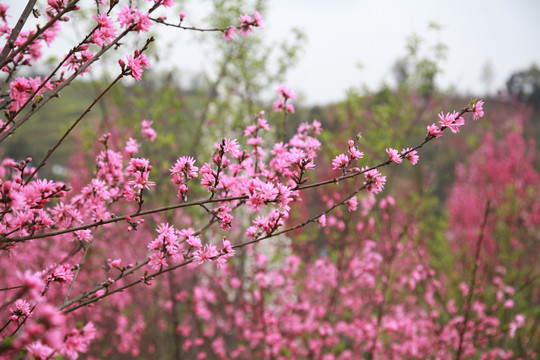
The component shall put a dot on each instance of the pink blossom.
(451, 121)
(185, 168)
(105, 32)
(290, 108)
(353, 152)
(232, 147)
(84, 235)
(478, 110)
(287, 93)
(131, 15)
(205, 253)
(464, 288)
(49, 35)
(321, 220)
(136, 64)
(226, 253)
(62, 274)
(374, 181)
(250, 130)
(167, 3)
(147, 131)
(19, 92)
(225, 220)
(3, 12)
(352, 204)
(393, 155)
(143, 21)
(246, 23)
(229, 33)
(116, 263)
(78, 341)
(40, 351)
(258, 19)
(434, 131)
(131, 146)
(411, 155)
(340, 162)
(34, 49)
(262, 123)
(255, 141)
(279, 104)
(21, 310)
(227, 248)
(157, 260)
(194, 241)
(141, 181)
(317, 127)
(78, 59)
(129, 194)
(517, 322)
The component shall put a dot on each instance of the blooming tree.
(75, 254)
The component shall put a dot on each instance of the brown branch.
(119, 218)
(6, 240)
(68, 131)
(192, 28)
(81, 298)
(68, 81)
(4, 58)
(472, 283)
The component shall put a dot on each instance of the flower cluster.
(166, 245)
(22, 89)
(129, 16)
(343, 161)
(105, 31)
(135, 65)
(79, 58)
(183, 170)
(454, 120)
(139, 170)
(147, 131)
(281, 102)
(374, 181)
(246, 25)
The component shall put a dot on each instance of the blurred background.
(324, 52)
(363, 43)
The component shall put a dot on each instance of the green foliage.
(418, 70)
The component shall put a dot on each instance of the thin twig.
(472, 283)
(68, 131)
(86, 248)
(7, 240)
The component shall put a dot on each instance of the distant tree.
(419, 68)
(525, 85)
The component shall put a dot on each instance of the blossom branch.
(75, 123)
(84, 299)
(77, 73)
(5, 241)
(4, 57)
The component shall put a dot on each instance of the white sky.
(342, 34)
